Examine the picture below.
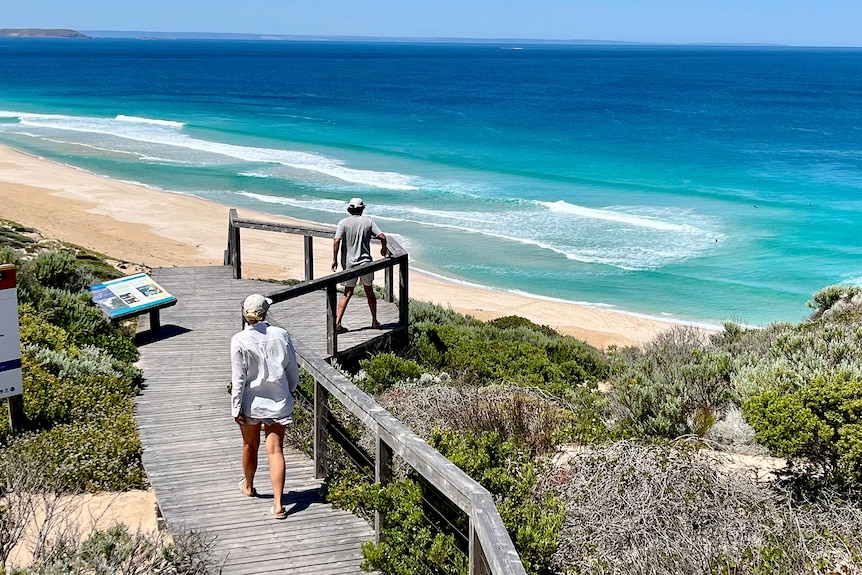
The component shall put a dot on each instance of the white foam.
(155, 122)
(170, 133)
(613, 216)
(595, 241)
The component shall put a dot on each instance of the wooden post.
(476, 558)
(321, 438)
(308, 242)
(389, 284)
(16, 413)
(403, 293)
(383, 476)
(331, 313)
(237, 258)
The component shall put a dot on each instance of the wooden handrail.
(490, 548)
(397, 257)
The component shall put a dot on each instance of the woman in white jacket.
(264, 375)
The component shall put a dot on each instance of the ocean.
(698, 184)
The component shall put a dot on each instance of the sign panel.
(129, 296)
(10, 336)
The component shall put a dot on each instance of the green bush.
(57, 269)
(510, 474)
(385, 370)
(77, 362)
(51, 397)
(482, 354)
(420, 313)
(820, 423)
(828, 296)
(516, 322)
(100, 453)
(36, 330)
(410, 545)
(676, 386)
(115, 550)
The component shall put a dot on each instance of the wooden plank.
(192, 447)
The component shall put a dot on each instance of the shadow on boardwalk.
(192, 447)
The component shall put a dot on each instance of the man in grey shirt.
(353, 237)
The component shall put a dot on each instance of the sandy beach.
(155, 228)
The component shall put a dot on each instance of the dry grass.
(633, 508)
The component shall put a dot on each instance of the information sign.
(10, 336)
(130, 296)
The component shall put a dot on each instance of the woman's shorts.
(268, 421)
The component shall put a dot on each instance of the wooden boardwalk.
(192, 447)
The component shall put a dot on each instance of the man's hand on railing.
(334, 265)
(384, 251)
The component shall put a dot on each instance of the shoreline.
(156, 228)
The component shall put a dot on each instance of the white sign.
(10, 338)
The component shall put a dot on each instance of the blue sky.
(795, 22)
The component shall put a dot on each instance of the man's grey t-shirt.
(355, 233)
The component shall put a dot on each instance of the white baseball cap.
(256, 304)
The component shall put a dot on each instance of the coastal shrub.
(410, 544)
(522, 415)
(677, 386)
(510, 474)
(9, 255)
(58, 269)
(820, 423)
(35, 330)
(74, 362)
(13, 236)
(421, 312)
(116, 550)
(51, 397)
(482, 354)
(662, 509)
(827, 297)
(385, 370)
(99, 453)
(516, 321)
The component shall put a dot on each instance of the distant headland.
(40, 33)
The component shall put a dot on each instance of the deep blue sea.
(697, 183)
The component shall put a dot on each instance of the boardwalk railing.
(397, 257)
(491, 551)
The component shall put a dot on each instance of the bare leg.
(372, 304)
(250, 445)
(342, 305)
(275, 454)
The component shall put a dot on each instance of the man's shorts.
(366, 280)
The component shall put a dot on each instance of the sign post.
(11, 381)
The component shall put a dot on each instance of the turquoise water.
(701, 184)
